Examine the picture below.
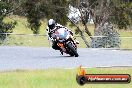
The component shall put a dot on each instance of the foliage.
(33, 16)
(35, 10)
(5, 27)
(122, 15)
(118, 12)
(110, 37)
(111, 12)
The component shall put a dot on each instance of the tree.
(35, 10)
(5, 8)
(105, 14)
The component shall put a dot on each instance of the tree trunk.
(88, 32)
(81, 33)
(84, 39)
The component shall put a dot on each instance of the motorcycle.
(65, 41)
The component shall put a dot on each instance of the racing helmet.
(51, 24)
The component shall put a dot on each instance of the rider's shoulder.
(59, 25)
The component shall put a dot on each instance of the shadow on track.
(54, 57)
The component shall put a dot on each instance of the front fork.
(74, 42)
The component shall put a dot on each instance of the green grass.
(58, 78)
(40, 41)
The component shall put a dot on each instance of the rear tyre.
(73, 51)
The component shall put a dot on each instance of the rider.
(51, 28)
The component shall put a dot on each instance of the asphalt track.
(30, 58)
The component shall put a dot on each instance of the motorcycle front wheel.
(72, 49)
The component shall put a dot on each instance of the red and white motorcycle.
(65, 41)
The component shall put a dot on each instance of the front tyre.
(72, 49)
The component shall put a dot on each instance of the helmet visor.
(51, 26)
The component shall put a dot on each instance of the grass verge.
(57, 78)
